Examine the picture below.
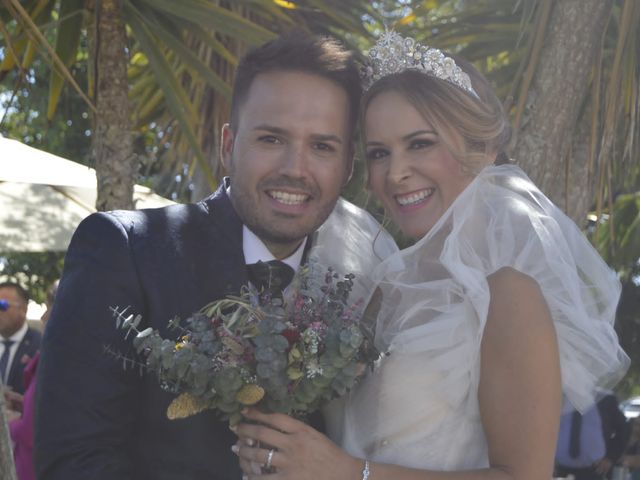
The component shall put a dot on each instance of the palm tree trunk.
(580, 178)
(544, 141)
(115, 163)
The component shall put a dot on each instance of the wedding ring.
(269, 458)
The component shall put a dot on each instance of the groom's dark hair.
(299, 51)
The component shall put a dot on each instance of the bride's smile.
(411, 170)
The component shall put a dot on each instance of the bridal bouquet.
(286, 356)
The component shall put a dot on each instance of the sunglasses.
(4, 305)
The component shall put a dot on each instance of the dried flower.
(250, 394)
(283, 356)
(184, 406)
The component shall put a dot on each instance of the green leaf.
(177, 100)
(145, 333)
(294, 373)
(173, 39)
(41, 14)
(66, 47)
(17, 46)
(208, 39)
(338, 16)
(209, 15)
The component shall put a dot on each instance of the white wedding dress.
(419, 406)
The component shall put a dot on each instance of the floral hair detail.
(393, 53)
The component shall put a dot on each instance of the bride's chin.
(413, 230)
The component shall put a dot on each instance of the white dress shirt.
(255, 250)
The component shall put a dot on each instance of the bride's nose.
(399, 169)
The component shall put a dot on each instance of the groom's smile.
(287, 198)
(289, 156)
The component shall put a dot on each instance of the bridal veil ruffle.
(419, 407)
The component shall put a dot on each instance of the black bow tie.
(270, 277)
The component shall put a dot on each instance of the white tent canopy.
(44, 197)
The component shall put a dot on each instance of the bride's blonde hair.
(475, 129)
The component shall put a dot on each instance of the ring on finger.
(267, 465)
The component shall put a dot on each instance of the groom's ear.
(226, 146)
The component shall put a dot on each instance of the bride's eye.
(376, 153)
(420, 143)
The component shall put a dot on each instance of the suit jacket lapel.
(25, 347)
(229, 253)
(224, 215)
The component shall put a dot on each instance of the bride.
(499, 308)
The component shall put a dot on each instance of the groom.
(288, 149)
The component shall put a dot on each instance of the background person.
(21, 428)
(18, 342)
(592, 442)
(631, 457)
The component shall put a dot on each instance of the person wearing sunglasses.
(18, 342)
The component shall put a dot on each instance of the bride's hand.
(248, 467)
(300, 452)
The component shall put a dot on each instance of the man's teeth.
(415, 197)
(288, 198)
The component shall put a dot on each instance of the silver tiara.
(394, 54)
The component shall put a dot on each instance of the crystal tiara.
(394, 54)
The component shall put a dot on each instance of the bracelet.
(365, 470)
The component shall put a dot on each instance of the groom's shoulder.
(172, 215)
(150, 221)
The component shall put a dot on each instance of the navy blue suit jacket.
(95, 420)
(29, 345)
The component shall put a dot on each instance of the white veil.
(503, 220)
(352, 241)
(420, 407)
